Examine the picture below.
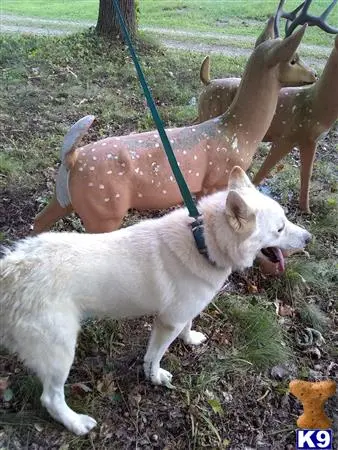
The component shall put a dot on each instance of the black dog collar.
(197, 228)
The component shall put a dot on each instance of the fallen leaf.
(216, 406)
(134, 398)
(64, 447)
(314, 352)
(7, 395)
(284, 310)
(106, 385)
(279, 372)
(3, 384)
(38, 427)
(225, 443)
(252, 288)
(80, 389)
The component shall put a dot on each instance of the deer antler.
(278, 16)
(293, 19)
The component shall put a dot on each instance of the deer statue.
(302, 115)
(223, 90)
(102, 180)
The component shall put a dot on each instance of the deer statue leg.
(102, 226)
(278, 150)
(96, 220)
(307, 154)
(49, 215)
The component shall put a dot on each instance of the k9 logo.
(314, 439)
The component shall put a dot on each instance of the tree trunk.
(108, 23)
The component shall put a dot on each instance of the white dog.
(50, 282)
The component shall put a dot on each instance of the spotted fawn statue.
(302, 116)
(101, 181)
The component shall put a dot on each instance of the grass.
(258, 340)
(243, 18)
(48, 83)
(67, 78)
(55, 9)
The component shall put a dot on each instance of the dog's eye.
(281, 229)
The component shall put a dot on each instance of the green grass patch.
(243, 18)
(312, 316)
(53, 9)
(9, 164)
(258, 340)
(50, 82)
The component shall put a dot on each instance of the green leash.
(186, 195)
(197, 227)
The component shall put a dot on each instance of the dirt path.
(207, 48)
(176, 39)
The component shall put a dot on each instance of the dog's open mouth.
(275, 255)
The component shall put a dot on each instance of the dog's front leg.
(161, 337)
(191, 337)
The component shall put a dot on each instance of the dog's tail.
(60, 205)
(205, 71)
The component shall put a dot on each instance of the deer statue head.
(293, 72)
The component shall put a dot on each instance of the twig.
(263, 396)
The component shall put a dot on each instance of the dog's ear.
(238, 179)
(240, 216)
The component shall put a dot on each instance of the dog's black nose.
(308, 239)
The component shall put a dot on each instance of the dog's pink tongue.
(281, 261)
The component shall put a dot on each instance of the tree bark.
(108, 23)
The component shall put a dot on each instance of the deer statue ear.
(239, 215)
(284, 50)
(267, 33)
(238, 179)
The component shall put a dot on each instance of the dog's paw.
(162, 377)
(195, 338)
(82, 424)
